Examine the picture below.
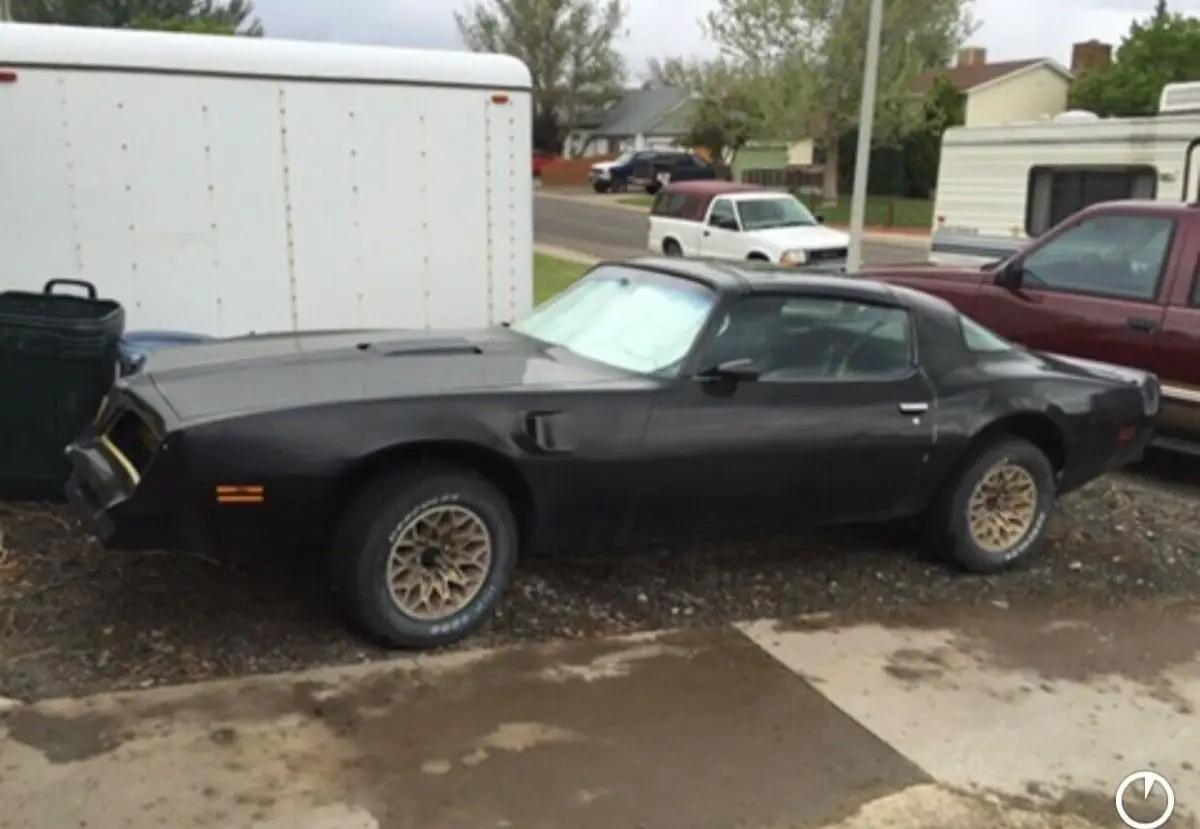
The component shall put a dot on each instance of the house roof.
(642, 111)
(966, 78)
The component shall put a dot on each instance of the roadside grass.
(552, 276)
(882, 211)
(637, 201)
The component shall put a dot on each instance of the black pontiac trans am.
(655, 399)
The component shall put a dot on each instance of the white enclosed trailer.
(999, 186)
(224, 185)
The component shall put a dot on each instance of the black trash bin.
(58, 358)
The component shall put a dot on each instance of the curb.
(566, 254)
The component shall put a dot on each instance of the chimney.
(972, 56)
(1090, 55)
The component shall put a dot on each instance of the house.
(1010, 91)
(648, 118)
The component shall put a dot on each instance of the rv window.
(1056, 192)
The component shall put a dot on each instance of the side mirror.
(724, 224)
(1010, 275)
(741, 370)
(820, 217)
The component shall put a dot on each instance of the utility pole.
(5, 11)
(866, 122)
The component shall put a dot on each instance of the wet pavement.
(995, 719)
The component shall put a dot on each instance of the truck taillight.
(8, 76)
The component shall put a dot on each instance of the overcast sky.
(656, 28)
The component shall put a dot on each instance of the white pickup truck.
(721, 220)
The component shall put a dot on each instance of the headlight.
(794, 257)
(602, 173)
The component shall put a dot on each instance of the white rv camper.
(223, 185)
(999, 186)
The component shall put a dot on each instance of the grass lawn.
(882, 211)
(637, 201)
(551, 276)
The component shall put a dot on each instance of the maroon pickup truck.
(1118, 282)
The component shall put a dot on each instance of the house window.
(1054, 193)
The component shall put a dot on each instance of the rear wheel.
(994, 514)
(671, 248)
(422, 558)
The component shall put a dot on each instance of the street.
(613, 231)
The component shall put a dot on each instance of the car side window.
(1115, 255)
(814, 339)
(723, 215)
(1196, 284)
(671, 205)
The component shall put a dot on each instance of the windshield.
(631, 319)
(785, 211)
(624, 158)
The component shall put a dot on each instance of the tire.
(671, 248)
(600, 186)
(951, 526)
(359, 559)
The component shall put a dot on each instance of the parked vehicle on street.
(1117, 282)
(1001, 185)
(223, 185)
(722, 220)
(648, 169)
(656, 399)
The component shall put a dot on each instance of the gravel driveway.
(75, 619)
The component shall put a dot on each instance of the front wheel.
(422, 558)
(995, 512)
(600, 186)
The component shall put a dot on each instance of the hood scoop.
(419, 346)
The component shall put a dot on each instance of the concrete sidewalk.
(997, 719)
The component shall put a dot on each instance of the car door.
(1093, 290)
(823, 435)
(722, 237)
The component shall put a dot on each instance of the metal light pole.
(5, 11)
(866, 122)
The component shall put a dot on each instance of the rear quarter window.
(669, 205)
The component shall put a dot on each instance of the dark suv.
(649, 169)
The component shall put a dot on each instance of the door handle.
(1143, 325)
(913, 408)
(708, 233)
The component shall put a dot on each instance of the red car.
(540, 159)
(1118, 282)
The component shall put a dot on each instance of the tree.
(945, 107)
(1160, 50)
(808, 58)
(204, 16)
(724, 115)
(568, 45)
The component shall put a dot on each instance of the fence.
(570, 172)
(804, 179)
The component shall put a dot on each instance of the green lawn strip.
(551, 276)
(882, 211)
(637, 201)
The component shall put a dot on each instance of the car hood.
(266, 372)
(604, 166)
(808, 237)
(923, 273)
